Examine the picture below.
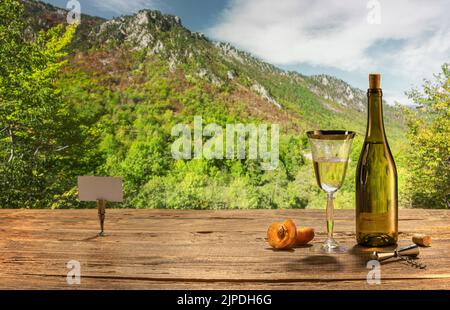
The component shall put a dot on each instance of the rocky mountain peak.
(140, 29)
(332, 88)
(163, 21)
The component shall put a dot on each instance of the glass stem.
(330, 215)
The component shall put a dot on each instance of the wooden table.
(168, 249)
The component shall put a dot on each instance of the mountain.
(155, 34)
(133, 77)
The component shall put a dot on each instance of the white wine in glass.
(330, 173)
(330, 151)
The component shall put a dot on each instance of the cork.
(422, 240)
(374, 80)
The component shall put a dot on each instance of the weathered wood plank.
(203, 249)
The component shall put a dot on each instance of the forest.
(105, 107)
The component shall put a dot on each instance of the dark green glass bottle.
(376, 179)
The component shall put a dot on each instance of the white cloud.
(124, 6)
(411, 42)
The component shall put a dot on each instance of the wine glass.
(330, 151)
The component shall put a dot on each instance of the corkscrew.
(412, 262)
(406, 254)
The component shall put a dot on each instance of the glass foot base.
(330, 246)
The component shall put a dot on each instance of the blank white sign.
(100, 188)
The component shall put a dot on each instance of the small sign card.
(92, 188)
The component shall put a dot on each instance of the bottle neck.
(375, 125)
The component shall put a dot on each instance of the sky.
(404, 40)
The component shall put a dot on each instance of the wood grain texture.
(226, 249)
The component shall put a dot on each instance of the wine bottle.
(376, 178)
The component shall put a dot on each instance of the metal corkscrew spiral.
(412, 262)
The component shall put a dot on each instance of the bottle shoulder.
(376, 151)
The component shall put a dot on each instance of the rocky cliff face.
(138, 31)
(336, 90)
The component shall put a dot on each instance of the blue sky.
(405, 40)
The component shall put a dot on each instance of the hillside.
(133, 78)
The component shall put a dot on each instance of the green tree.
(429, 132)
(37, 131)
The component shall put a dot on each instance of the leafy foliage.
(40, 149)
(429, 153)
